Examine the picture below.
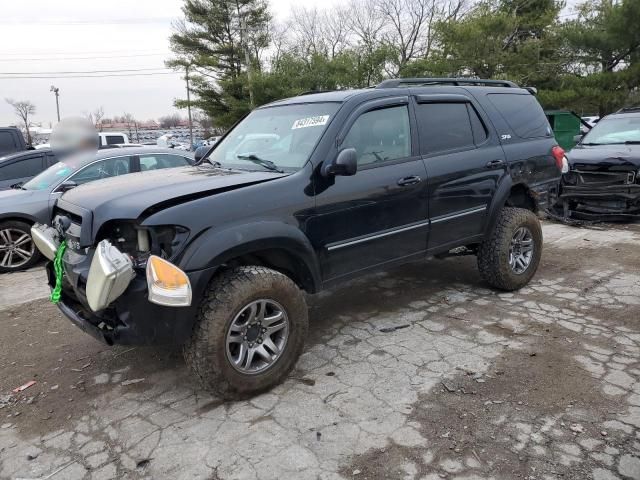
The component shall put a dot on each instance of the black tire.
(17, 226)
(227, 296)
(493, 254)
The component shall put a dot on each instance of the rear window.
(444, 126)
(523, 114)
(114, 139)
(7, 142)
(21, 169)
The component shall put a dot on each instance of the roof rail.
(422, 82)
(311, 92)
(629, 109)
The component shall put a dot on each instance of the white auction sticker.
(310, 122)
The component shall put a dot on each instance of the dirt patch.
(69, 367)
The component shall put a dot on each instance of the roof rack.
(423, 82)
(312, 92)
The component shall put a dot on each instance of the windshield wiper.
(632, 142)
(592, 143)
(268, 164)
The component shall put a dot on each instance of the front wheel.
(250, 331)
(17, 250)
(510, 256)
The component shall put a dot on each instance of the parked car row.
(32, 201)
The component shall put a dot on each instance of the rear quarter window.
(523, 114)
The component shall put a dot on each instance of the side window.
(380, 135)
(444, 126)
(111, 167)
(29, 167)
(7, 143)
(153, 162)
(523, 114)
(114, 139)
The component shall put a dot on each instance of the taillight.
(561, 160)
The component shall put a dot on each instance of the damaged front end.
(598, 193)
(125, 289)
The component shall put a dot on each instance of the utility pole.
(56, 92)
(186, 69)
(247, 59)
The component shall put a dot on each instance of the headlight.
(168, 285)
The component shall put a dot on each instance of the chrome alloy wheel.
(521, 250)
(257, 336)
(16, 248)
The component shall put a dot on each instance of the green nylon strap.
(57, 268)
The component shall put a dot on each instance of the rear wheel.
(510, 256)
(17, 250)
(249, 333)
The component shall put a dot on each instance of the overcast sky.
(76, 36)
(89, 35)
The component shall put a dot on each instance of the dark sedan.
(33, 201)
(603, 181)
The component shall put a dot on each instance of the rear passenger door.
(464, 162)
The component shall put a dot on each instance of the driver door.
(379, 215)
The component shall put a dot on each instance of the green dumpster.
(565, 125)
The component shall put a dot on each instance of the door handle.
(403, 182)
(495, 164)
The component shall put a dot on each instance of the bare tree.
(131, 123)
(98, 115)
(23, 109)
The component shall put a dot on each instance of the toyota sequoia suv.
(301, 194)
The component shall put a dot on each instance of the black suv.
(302, 194)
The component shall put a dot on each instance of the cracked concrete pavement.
(420, 372)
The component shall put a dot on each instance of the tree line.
(238, 57)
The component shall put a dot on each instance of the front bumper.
(598, 197)
(131, 319)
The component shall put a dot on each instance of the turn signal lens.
(168, 285)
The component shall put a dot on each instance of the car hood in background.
(605, 157)
(139, 194)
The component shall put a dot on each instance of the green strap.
(57, 268)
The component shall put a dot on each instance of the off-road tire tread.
(215, 310)
(495, 249)
(24, 226)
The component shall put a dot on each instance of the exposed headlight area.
(146, 248)
(139, 242)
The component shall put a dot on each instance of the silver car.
(33, 201)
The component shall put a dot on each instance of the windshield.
(275, 138)
(50, 177)
(609, 131)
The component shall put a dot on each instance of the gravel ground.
(420, 372)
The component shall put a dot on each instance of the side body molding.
(215, 247)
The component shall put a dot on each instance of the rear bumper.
(131, 319)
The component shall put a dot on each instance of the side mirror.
(200, 152)
(346, 164)
(577, 138)
(65, 186)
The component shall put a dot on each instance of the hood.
(140, 194)
(605, 157)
